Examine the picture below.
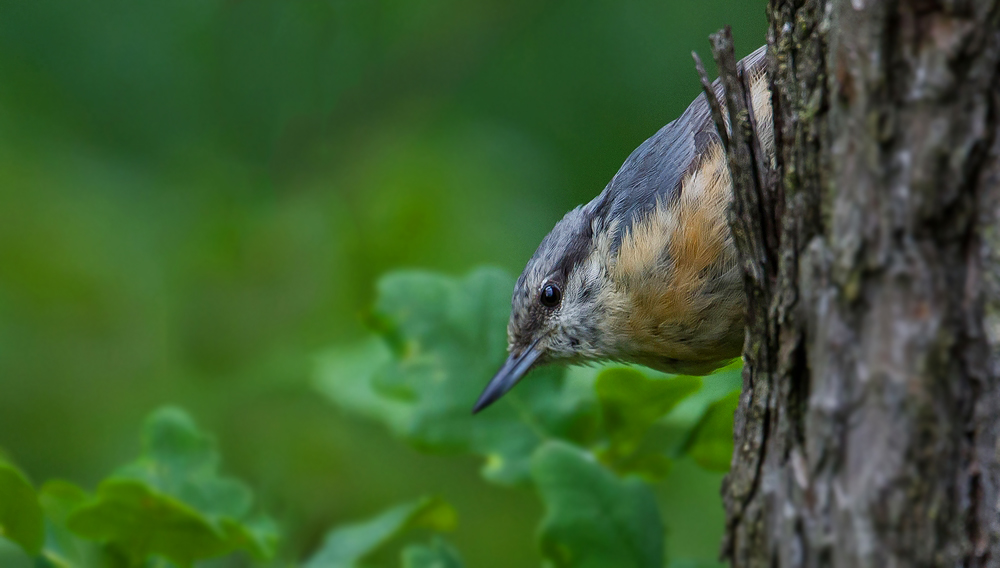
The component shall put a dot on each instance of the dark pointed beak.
(516, 366)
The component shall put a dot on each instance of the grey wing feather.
(654, 171)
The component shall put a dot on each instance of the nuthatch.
(646, 272)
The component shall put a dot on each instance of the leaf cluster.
(168, 508)
(591, 442)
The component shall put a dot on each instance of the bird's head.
(558, 305)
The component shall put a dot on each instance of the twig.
(713, 101)
(746, 222)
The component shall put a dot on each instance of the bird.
(646, 272)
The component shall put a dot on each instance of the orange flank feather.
(667, 259)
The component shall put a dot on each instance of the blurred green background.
(197, 196)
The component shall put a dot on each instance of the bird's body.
(647, 271)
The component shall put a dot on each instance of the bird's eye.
(551, 295)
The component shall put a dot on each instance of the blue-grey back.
(655, 170)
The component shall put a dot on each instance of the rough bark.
(867, 431)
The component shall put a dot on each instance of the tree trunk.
(867, 431)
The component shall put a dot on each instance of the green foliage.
(443, 335)
(711, 442)
(171, 508)
(169, 504)
(20, 513)
(593, 518)
(349, 546)
(631, 402)
(64, 548)
(438, 554)
(591, 445)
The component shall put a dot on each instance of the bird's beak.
(516, 366)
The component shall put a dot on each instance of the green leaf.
(652, 466)
(631, 402)
(714, 387)
(20, 512)
(443, 338)
(258, 534)
(711, 441)
(140, 522)
(13, 556)
(593, 518)
(171, 502)
(346, 547)
(180, 461)
(63, 548)
(438, 554)
(346, 373)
